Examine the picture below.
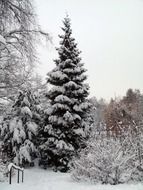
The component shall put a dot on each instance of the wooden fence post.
(22, 175)
(10, 175)
(18, 176)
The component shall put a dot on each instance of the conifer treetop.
(69, 71)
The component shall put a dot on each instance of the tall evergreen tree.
(19, 129)
(64, 127)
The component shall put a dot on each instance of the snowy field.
(39, 179)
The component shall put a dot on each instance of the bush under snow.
(107, 160)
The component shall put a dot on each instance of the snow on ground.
(39, 179)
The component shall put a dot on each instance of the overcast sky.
(109, 34)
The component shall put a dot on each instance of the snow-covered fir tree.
(3, 170)
(20, 127)
(2, 165)
(64, 127)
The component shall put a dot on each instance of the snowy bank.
(39, 179)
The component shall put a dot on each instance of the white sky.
(109, 34)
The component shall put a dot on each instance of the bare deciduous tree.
(19, 29)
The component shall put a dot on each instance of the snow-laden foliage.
(2, 42)
(108, 160)
(63, 133)
(2, 171)
(115, 156)
(3, 168)
(19, 129)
